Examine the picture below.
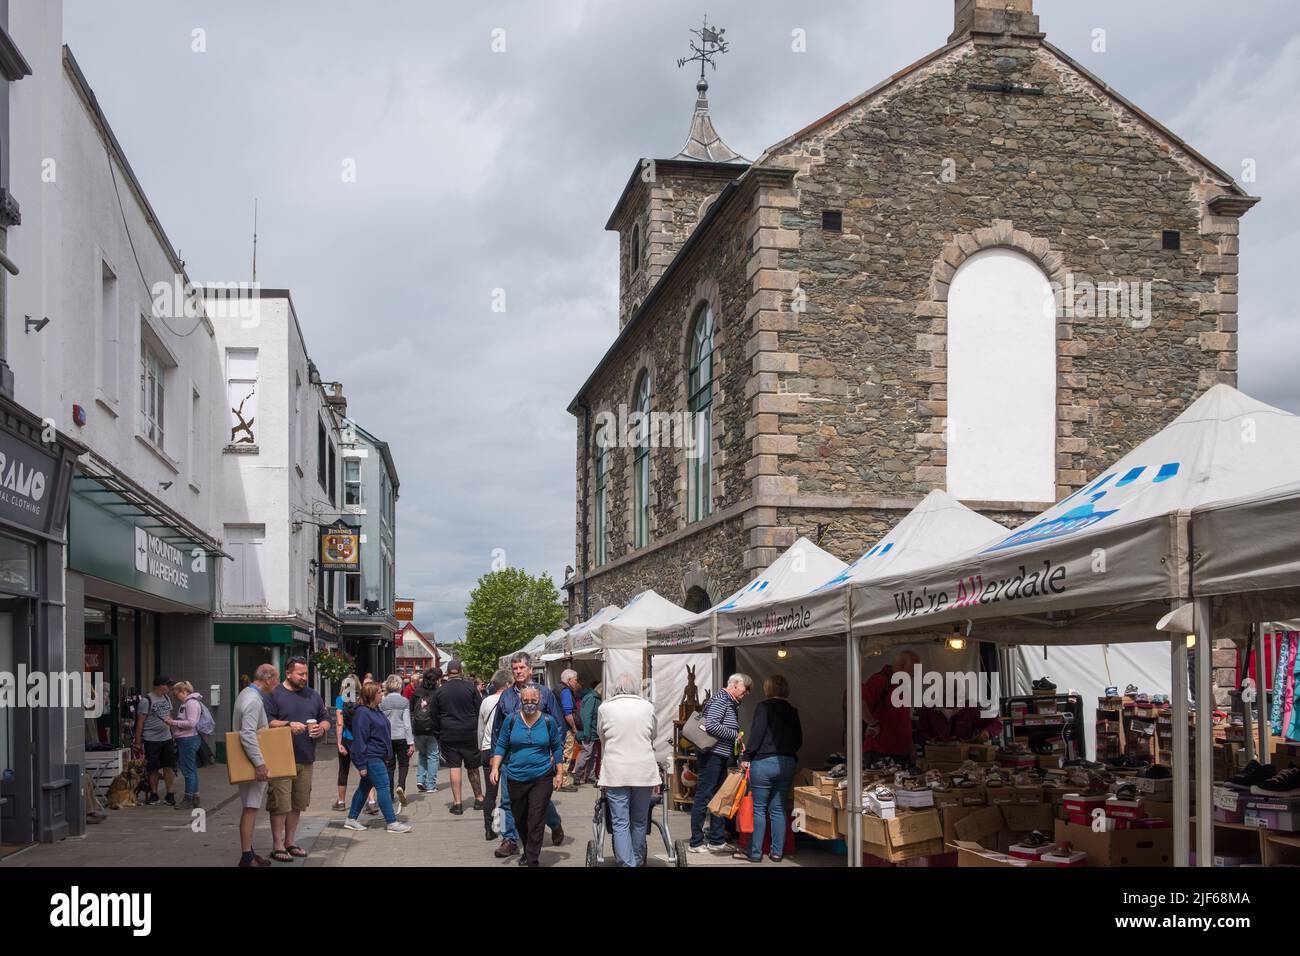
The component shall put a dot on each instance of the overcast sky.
(479, 170)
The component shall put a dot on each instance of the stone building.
(990, 273)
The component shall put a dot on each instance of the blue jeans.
(427, 756)
(629, 813)
(187, 755)
(769, 781)
(376, 779)
(508, 831)
(712, 770)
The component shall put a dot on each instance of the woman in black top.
(771, 752)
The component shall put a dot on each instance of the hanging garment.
(1285, 684)
(1293, 727)
(1283, 644)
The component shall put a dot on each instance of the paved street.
(159, 835)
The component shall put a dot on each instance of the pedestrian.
(584, 769)
(409, 684)
(249, 718)
(771, 757)
(887, 724)
(185, 734)
(422, 726)
(521, 669)
(629, 771)
(486, 710)
(344, 707)
(480, 684)
(534, 768)
(372, 748)
(398, 711)
(455, 719)
(294, 705)
(152, 734)
(571, 707)
(721, 721)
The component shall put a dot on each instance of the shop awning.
(252, 632)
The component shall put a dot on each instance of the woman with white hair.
(629, 771)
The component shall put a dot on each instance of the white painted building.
(280, 481)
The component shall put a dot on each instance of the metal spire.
(703, 143)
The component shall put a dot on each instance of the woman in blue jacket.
(532, 750)
(372, 747)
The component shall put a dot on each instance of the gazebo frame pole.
(1181, 763)
(853, 765)
(1204, 735)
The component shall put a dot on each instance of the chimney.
(995, 17)
(334, 398)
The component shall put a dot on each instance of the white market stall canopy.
(581, 640)
(1099, 566)
(939, 527)
(627, 628)
(1246, 555)
(533, 648)
(801, 568)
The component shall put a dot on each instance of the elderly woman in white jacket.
(629, 771)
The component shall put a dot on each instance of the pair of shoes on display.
(1044, 684)
(1285, 783)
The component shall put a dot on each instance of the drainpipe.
(586, 445)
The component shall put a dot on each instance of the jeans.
(769, 781)
(187, 755)
(629, 814)
(711, 768)
(510, 831)
(427, 757)
(534, 799)
(376, 778)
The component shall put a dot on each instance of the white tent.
(622, 639)
(1118, 543)
(801, 568)
(582, 638)
(533, 648)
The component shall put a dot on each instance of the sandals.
(296, 852)
(282, 856)
(1127, 791)
(1036, 839)
(741, 855)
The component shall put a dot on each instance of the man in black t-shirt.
(294, 705)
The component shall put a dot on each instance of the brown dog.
(124, 790)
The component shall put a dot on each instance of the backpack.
(349, 708)
(205, 724)
(422, 714)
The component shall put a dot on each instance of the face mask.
(531, 709)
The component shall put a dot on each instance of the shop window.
(352, 590)
(322, 455)
(242, 582)
(333, 473)
(602, 500)
(1001, 415)
(153, 395)
(641, 468)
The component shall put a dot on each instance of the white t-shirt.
(485, 712)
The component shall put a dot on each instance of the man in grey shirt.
(249, 718)
(154, 737)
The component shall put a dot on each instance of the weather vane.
(710, 45)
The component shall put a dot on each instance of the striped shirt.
(722, 720)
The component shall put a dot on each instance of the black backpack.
(349, 708)
(422, 714)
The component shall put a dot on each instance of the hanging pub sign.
(403, 609)
(340, 548)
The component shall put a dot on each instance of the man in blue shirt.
(521, 669)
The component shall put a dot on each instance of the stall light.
(956, 642)
(1191, 641)
(782, 652)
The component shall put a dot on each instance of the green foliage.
(506, 610)
(333, 665)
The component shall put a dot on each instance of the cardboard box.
(804, 778)
(1119, 847)
(821, 830)
(982, 753)
(1161, 789)
(276, 744)
(949, 816)
(909, 835)
(945, 752)
(1000, 796)
(819, 812)
(1029, 795)
(973, 855)
(1274, 813)
(947, 798)
(1022, 818)
(824, 782)
(979, 826)
(973, 796)
(914, 799)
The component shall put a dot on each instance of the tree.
(506, 610)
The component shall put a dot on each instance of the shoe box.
(1281, 812)
(1229, 804)
(1126, 847)
(1157, 788)
(914, 799)
(974, 855)
(910, 834)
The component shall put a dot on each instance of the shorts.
(159, 755)
(252, 793)
(291, 793)
(457, 752)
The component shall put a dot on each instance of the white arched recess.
(1001, 380)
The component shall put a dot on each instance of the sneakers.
(457, 809)
(372, 808)
(1253, 773)
(489, 835)
(708, 848)
(1285, 783)
(340, 805)
(557, 836)
(171, 801)
(1045, 684)
(422, 788)
(478, 804)
(352, 823)
(397, 826)
(506, 849)
(153, 798)
(401, 795)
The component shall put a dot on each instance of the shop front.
(39, 784)
(140, 597)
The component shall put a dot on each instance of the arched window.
(634, 262)
(699, 403)
(1001, 380)
(697, 600)
(641, 467)
(602, 498)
